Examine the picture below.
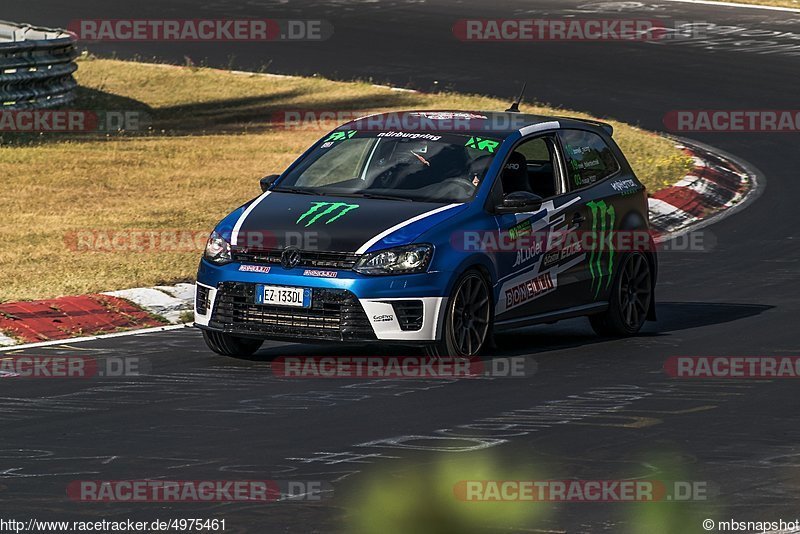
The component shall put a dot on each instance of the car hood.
(329, 223)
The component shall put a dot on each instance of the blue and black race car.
(437, 233)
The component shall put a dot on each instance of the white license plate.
(297, 297)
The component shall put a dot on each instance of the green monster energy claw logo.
(341, 136)
(482, 144)
(318, 210)
(603, 217)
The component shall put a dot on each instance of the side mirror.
(520, 202)
(267, 181)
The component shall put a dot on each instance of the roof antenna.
(515, 105)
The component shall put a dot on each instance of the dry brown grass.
(211, 140)
(779, 3)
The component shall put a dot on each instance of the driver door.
(538, 264)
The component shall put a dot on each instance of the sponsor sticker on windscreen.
(297, 297)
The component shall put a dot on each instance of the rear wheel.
(228, 345)
(630, 299)
(467, 319)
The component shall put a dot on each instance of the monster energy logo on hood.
(603, 217)
(318, 210)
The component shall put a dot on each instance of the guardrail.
(36, 66)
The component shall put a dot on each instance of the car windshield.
(410, 166)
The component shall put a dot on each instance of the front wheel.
(629, 301)
(228, 345)
(467, 319)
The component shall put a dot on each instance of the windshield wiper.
(300, 191)
(297, 191)
(372, 195)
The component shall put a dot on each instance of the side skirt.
(549, 317)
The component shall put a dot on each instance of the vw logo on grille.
(290, 258)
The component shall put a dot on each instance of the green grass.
(211, 139)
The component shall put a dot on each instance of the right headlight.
(410, 259)
(218, 250)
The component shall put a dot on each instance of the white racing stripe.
(251, 207)
(366, 246)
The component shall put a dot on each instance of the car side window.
(589, 158)
(532, 167)
(535, 150)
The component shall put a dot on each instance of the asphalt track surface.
(200, 416)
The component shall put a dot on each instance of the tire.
(228, 345)
(467, 319)
(630, 299)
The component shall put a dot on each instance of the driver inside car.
(415, 165)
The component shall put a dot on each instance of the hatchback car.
(437, 233)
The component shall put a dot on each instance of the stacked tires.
(36, 67)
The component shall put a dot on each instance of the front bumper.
(348, 307)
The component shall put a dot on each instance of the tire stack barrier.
(36, 67)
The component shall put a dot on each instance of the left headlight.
(410, 259)
(217, 249)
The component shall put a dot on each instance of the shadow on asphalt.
(672, 317)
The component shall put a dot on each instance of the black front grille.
(334, 314)
(409, 314)
(201, 299)
(308, 258)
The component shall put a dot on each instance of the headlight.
(401, 260)
(217, 249)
